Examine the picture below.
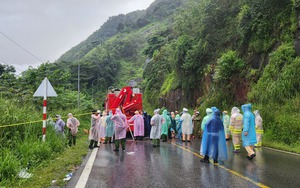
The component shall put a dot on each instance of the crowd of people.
(214, 129)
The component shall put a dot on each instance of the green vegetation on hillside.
(182, 53)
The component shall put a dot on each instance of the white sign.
(45, 89)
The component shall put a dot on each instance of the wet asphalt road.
(177, 164)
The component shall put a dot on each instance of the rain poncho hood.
(214, 108)
(213, 140)
(119, 112)
(256, 113)
(235, 110)
(249, 126)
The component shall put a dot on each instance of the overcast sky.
(48, 28)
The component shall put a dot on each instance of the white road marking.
(87, 170)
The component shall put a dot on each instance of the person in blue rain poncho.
(249, 134)
(213, 143)
(178, 125)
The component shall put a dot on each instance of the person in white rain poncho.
(102, 130)
(259, 128)
(226, 122)
(236, 126)
(121, 126)
(156, 123)
(94, 130)
(187, 125)
(72, 124)
(138, 125)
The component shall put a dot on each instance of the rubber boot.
(205, 159)
(95, 144)
(91, 144)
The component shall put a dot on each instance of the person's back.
(249, 133)
(206, 118)
(59, 125)
(236, 126)
(213, 141)
(259, 128)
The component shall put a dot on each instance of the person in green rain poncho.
(109, 128)
(206, 118)
(165, 125)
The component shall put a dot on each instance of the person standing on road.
(120, 129)
(259, 128)
(236, 127)
(206, 118)
(109, 128)
(102, 127)
(156, 123)
(187, 125)
(226, 122)
(59, 125)
(213, 143)
(165, 125)
(196, 118)
(94, 130)
(178, 125)
(147, 119)
(249, 134)
(173, 125)
(138, 125)
(72, 124)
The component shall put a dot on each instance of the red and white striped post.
(44, 90)
(44, 118)
(45, 111)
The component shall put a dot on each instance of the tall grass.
(21, 145)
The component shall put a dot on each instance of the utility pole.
(78, 100)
